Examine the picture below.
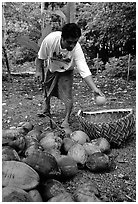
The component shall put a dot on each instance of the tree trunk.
(3, 43)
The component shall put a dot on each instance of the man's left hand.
(98, 92)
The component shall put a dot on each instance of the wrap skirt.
(59, 84)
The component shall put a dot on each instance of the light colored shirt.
(59, 59)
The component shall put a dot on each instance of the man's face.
(69, 43)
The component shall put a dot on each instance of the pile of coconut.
(35, 162)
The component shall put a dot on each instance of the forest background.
(108, 32)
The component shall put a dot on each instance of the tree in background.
(106, 27)
(5, 60)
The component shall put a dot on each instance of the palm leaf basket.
(116, 125)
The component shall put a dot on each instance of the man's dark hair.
(71, 30)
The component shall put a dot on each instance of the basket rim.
(130, 110)
(106, 111)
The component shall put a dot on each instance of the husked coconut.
(35, 195)
(68, 131)
(35, 134)
(44, 163)
(66, 197)
(87, 192)
(19, 174)
(54, 152)
(28, 126)
(100, 100)
(68, 166)
(67, 143)
(98, 162)
(51, 188)
(102, 143)
(49, 142)
(8, 153)
(78, 153)
(14, 194)
(91, 148)
(79, 136)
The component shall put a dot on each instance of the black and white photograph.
(68, 101)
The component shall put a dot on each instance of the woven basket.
(116, 125)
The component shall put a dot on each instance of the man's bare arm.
(91, 84)
(39, 75)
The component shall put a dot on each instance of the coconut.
(12, 134)
(87, 192)
(35, 134)
(8, 153)
(100, 100)
(35, 195)
(13, 194)
(18, 144)
(91, 148)
(49, 142)
(68, 131)
(28, 126)
(45, 133)
(67, 143)
(66, 197)
(102, 143)
(79, 136)
(51, 188)
(44, 163)
(19, 174)
(33, 148)
(54, 152)
(78, 153)
(98, 162)
(68, 166)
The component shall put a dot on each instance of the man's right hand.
(38, 77)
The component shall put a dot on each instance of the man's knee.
(69, 103)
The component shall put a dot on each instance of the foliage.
(107, 27)
(25, 16)
(118, 67)
(68, 15)
(98, 64)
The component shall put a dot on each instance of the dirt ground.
(22, 98)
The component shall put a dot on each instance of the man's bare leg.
(65, 94)
(46, 108)
(68, 109)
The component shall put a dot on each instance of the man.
(62, 52)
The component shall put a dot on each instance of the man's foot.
(65, 124)
(43, 113)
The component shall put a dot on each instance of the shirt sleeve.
(43, 52)
(80, 62)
